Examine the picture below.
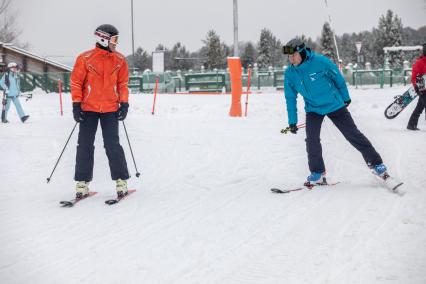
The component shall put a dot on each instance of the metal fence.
(212, 81)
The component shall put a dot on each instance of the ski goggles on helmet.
(288, 49)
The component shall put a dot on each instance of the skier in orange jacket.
(100, 93)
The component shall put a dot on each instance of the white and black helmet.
(106, 34)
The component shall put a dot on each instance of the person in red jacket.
(418, 80)
(99, 93)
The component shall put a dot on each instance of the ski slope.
(203, 212)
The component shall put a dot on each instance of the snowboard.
(400, 102)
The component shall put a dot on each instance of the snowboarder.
(324, 91)
(418, 81)
(10, 84)
(100, 93)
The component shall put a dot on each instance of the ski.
(391, 183)
(309, 187)
(71, 203)
(118, 199)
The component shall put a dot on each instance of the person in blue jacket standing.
(10, 85)
(325, 93)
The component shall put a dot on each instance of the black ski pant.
(86, 148)
(344, 122)
(414, 118)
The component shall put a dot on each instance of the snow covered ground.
(203, 212)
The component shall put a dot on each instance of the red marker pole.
(155, 95)
(248, 90)
(60, 96)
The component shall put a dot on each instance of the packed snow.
(203, 211)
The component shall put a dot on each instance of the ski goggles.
(114, 40)
(287, 49)
(106, 37)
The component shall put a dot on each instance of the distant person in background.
(100, 94)
(10, 84)
(324, 90)
(418, 80)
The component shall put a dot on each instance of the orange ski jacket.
(99, 80)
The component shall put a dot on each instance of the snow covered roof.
(35, 56)
(404, 48)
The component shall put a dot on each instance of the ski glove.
(420, 85)
(293, 128)
(348, 102)
(77, 112)
(122, 111)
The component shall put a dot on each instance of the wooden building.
(28, 61)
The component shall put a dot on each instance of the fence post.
(248, 90)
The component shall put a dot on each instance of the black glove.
(293, 128)
(122, 111)
(77, 112)
(420, 85)
(348, 102)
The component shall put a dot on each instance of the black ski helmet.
(424, 49)
(294, 45)
(103, 34)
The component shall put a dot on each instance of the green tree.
(141, 61)
(248, 56)
(213, 51)
(269, 50)
(389, 33)
(180, 58)
(327, 43)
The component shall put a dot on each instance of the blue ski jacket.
(13, 90)
(319, 82)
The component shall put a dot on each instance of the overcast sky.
(65, 27)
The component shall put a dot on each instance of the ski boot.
(412, 127)
(315, 179)
(121, 187)
(82, 189)
(380, 171)
(24, 118)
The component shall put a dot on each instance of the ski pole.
(57, 162)
(287, 129)
(248, 90)
(131, 151)
(155, 95)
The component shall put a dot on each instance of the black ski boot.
(24, 118)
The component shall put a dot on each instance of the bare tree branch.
(4, 4)
(9, 31)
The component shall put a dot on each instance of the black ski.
(309, 187)
(118, 199)
(71, 203)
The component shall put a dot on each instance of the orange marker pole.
(234, 64)
(248, 90)
(155, 95)
(60, 96)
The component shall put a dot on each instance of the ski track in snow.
(203, 212)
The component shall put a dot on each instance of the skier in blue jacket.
(324, 91)
(10, 85)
